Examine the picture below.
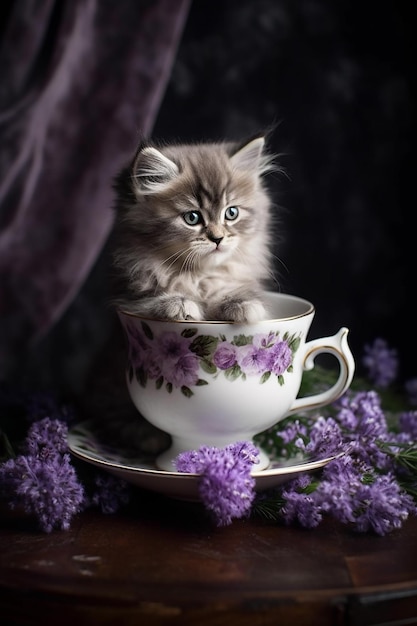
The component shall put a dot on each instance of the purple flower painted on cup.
(182, 372)
(280, 357)
(253, 360)
(225, 355)
(171, 358)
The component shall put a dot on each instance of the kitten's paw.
(249, 311)
(178, 308)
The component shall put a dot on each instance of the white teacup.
(214, 383)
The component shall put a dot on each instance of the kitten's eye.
(192, 218)
(231, 213)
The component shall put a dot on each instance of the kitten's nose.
(216, 240)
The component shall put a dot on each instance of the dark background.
(336, 78)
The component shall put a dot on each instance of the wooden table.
(160, 561)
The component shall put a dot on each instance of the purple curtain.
(80, 80)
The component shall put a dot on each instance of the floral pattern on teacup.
(176, 360)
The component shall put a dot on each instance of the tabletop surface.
(161, 561)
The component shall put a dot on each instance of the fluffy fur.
(192, 232)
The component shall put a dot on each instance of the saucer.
(140, 469)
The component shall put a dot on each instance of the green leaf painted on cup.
(189, 332)
(266, 376)
(232, 373)
(208, 366)
(204, 345)
(242, 340)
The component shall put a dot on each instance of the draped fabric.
(79, 81)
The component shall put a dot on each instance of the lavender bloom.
(48, 489)
(46, 438)
(326, 438)
(300, 505)
(226, 486)
(364, 421)
(294, 431)
(381, 506)
(381, 363)
(111, 493)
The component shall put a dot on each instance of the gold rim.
(284, 296)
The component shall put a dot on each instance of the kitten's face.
(198, 206)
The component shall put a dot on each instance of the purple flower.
(225, 355)
(48, 489)
(279, 358)
(183, 371)
(226, 486)
(365, 424)
(300, 504)
(170, 346)
(46, 438)
(382, 505)
(172, 358)
(381, 363)
(325, 438)
(252, 360)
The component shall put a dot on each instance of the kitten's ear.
(249, 156)
(153, 171)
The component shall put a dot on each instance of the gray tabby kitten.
(192, 230)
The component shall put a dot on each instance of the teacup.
(214, 383)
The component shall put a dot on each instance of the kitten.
(192, 232)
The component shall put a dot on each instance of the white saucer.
(142, 472)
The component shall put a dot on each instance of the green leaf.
(265, 377)
(232, 373)
(189, 332)
(295, 344)
(242, 340)
(204, 345)
(159, 382)
(208, 366)
(281, 379)
(187, 391)
(200, 382)
(169, 387)
(146, 329)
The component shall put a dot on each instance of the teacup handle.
(336, 345)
